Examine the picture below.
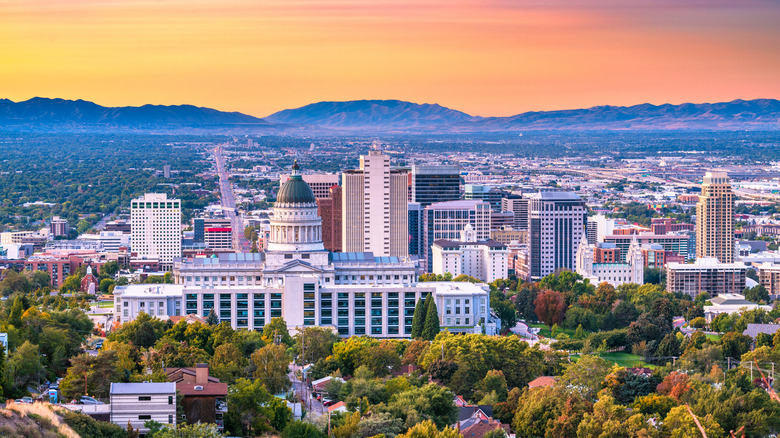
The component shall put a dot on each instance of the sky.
(483, 57)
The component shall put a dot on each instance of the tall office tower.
(492, 195)
(715, 218)
(517, 204)
(374, 208)
(329, 209)
(415, 211)
(556, 224)
(446, 220)
(320, 183)
(167, 171)
(155, 228)
(592, 231)
(432, 184)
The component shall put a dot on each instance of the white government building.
(298, 280)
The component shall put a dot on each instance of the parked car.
(27, 400)
(328, 402)
(87, 400)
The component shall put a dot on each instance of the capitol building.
(297, 279)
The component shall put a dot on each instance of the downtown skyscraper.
(715, 218)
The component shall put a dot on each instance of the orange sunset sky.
(488, 57)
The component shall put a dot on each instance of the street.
(313, 406)
(228, 200)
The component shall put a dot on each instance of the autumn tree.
(270, 364)
(550, 307)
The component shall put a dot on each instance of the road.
(228, 200)
(313, 406)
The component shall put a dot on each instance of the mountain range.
(386, 116)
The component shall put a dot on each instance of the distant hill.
(384, 116)
(43, 111)
(372, 114)
(390, 115)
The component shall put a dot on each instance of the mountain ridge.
(392, 116)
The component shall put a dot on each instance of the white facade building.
(485, 260)
(110, 240)
(138, 403)
(155, 227)
(446, 220)
(158, 300)
(613, 273)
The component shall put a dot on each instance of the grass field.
(545, 330)
(105, 304)
(713, 338)
(627, 360)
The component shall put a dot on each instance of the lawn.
(105, 304)
(712, 338)
(627, 360)
(545, 330)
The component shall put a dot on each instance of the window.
(170, 399)
(170, 419)
(144, 398)
(145, 417)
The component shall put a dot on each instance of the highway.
(228, 200)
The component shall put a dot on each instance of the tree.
(228, 363)
(90, 375)
(276, 330)
(675, 385)
(270, 364)
(431, 327)
(15, 317)
(198, 430)
(418, 320)
(249, 408)
(105, 285)
(299, 429)
(380, 423)
(24, 366)
(669, 347)
(586, 375)
(495, 383)
(212, 319)
(550, 307)
(442, 370)
(429, 402)
(757, 294)
(549, 412)
(427, 429)
(735, 344)
(314, 343)
(679, 424)
(143, 331)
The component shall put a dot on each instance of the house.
(753, 330)
(204, 397)
(542, 382)
(479, 427)
(319, 385)
(460, 401)
(644, 372)
(137, 403)
(337, 407)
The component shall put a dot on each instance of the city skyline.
(488, 59)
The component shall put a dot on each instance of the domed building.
(297, 279)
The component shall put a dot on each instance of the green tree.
(105, 285)
(143, 331)
(429, 402)
(15, 317)
(198, 430)
(757, 294)
(586, 375)
(418, 320)
(228, 363)
(24, 367)
(90, 375)
(427, 429)
(735, 344)
(494, 383)
(314, 343)
(249, 408)
(276, 330)
(212, 319)
(271, 366)
(299, 429)
(549, 412)
(431, 327)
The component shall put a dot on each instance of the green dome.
(295, 190)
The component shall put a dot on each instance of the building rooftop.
(143, 388)
(149, 290)
(457, 205)
(444, 243)
(556, 196)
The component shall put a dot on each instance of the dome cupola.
(295, 190)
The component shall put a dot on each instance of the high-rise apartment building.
(415, 221)
(492, 195)
(59, 227)
(374, 208)
(556, 224)
(715, 218)
(432, 184)
(329, 210)
(155, 227)
(446, 220)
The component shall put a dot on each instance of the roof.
(480, 428)
(444, 243)
(206, 389)
(338, 406)
(361, 257)
(162, 290)
(457, 205)
(542, 381)
(730, 300)
(753, 330)
(469, 411)
(176, 374)
(295, 190)
(143, 388)
(556, 196)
